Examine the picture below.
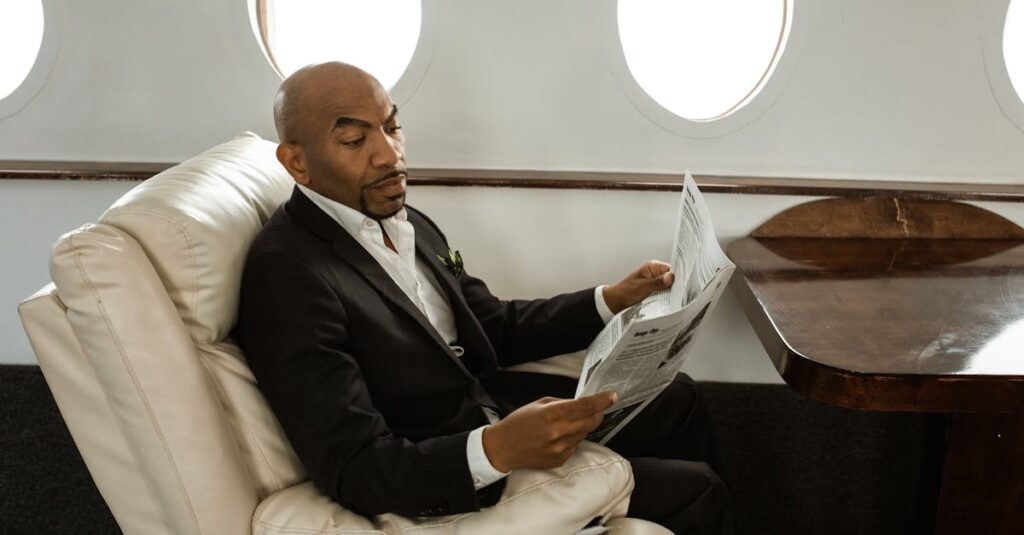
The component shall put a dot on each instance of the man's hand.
(646, 279)
(545, 433)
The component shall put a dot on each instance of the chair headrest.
(196, 221)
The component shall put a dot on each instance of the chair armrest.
(594, 482)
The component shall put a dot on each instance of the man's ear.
(293, 159)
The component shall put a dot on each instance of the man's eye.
(394, 129)
(354, 142)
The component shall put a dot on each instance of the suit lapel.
(471, 334)
(349, 250)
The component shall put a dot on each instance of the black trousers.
(670, 446)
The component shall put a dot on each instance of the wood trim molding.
(68, 170)
(718, 184)
(137, 171)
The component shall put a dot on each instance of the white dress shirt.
(419, 285)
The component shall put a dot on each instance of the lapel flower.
(453, 263)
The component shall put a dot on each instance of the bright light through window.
(703, 59)
(21, 34)
(1013, 45)
(378, 36)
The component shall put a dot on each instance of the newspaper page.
(639, 351)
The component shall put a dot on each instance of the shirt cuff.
(480, 467)
(602, 307)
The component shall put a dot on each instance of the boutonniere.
(453, 263)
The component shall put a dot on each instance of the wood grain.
(914, 324)
(891, 304)
(888, 217)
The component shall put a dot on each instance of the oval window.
(21, 35)
(703, 59)
(378, 36)
(1013, 45)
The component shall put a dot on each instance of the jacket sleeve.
(292, 329)
(526, 330)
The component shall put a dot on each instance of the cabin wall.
(869, 89)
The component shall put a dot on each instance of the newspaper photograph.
(640, 351)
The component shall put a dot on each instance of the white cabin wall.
(876, 89)
(881, 89)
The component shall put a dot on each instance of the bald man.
(380, 355)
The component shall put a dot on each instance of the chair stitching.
(243, 422)
(135, 382)
(520, 494)
(337, 531)
(179, 227)
(626, 493)
(587, 468)
(455, 519)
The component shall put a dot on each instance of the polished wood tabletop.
(886, 303)
(890, 324)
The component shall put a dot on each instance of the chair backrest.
(134, 339)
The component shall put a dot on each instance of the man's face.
(357, 153)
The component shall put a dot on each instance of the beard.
(394, 203)
(377, 216)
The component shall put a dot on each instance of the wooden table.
(895, 313)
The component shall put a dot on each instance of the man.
(379, 356)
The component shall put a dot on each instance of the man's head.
(340, 137)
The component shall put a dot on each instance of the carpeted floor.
(794, 465)
(797, 466)
(44, 486)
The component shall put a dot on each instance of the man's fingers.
(577, 409)
(657, 267)
(600, 402)
(603, 400)
(610, 396)
(572, 441)
(646, 286)
(592, 423)
(585, 407)
(653, 273)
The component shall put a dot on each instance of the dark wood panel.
(578, 180)
(982, 490)
(43, 170)
(887, 304)
(851, 257)
(893, 217)
(721, 184)
(945, 317)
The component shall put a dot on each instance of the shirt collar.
(350, 219)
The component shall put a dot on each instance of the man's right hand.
(545, 433)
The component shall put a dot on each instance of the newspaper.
(640, 351)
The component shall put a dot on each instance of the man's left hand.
(652, 276)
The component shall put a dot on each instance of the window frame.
(1010, 103)
(407, 83)
(758, 100)
(39, 74)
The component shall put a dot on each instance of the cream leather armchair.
(133, 339)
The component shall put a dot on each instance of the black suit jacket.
(374, 402)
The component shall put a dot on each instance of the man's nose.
(387, 151)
